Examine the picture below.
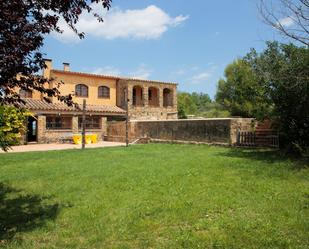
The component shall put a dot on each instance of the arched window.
(167, 97)
(103, 92)
(25, 94)
(137, 95)
(81, 90)
(153, 96)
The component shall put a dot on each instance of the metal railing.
(257, 139)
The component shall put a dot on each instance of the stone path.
(47, 147)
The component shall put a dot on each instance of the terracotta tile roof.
(40, 105)
(112, 77)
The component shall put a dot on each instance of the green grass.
(153, 196)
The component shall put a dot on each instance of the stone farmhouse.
(106, 101)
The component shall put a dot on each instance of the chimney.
(49, 66)
(66, 67)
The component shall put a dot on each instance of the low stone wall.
(221, 131)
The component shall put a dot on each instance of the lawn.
(153, 196)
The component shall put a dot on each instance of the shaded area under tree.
(20, 212)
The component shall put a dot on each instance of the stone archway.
(137, 96)
(167, 97)
(153, 96)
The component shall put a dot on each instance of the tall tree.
(23, 26)
(284, 71)
(289, 17)
(240, 92)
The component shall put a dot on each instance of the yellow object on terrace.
(77, 139)
(94, 138)
(90, 138)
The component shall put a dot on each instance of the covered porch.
(57, 122)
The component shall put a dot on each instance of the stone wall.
(221, 131)
(59, 136)
(143, 110)
(241, 124)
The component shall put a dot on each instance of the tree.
(201, 100)
(11, 125)
(289, 17)
(240, 92)
(199, 104)
(23, 26)
(284, 71)
(186, 104)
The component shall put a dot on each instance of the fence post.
(84, 125)
(127, 116)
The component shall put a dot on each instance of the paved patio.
(47, 147)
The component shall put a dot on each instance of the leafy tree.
(186, 103)
(181, 111)
(201, 100)
(241, 93)
(284, 71)
(23, 26)
(199, 104)
(215, 110)
(12, 121)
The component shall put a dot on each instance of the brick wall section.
(221, 131)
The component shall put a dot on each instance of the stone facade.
(61, 136)
(148, 100)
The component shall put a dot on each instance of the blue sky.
(166, 40)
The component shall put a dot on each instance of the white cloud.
(148, 23)
(195, 74)
(286, 22)
(142, 72)
(107, 70)
(199, 78)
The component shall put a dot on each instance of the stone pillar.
(41, 128)
(104, 125)
(160, 92)
(130, 96)
(75, 124)
(145, 96)
(175, 98)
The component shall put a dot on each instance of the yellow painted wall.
(35, 94)
(93, 82)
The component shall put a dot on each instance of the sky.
(186, 42)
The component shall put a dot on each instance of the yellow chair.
(77, 139)
(94, 138)
(88, 139)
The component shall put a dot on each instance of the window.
(81, 90)
(167, 97)
(153, 96)
(92, 122)
(149, 94)
(137, 96)
(58, 123)
(103, 92)
(25, 94)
